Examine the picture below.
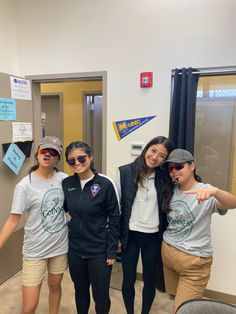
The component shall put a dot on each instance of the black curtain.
(183, 108)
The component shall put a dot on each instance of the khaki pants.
(186, 276)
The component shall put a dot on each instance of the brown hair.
(140, 170)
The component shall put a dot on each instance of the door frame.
(85, 113)
(84, 94)
(36, 80)
(61, 116)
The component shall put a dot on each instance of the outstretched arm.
(225, 200)
(8, 228)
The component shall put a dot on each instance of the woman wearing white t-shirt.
(45, 245)
(186, 248)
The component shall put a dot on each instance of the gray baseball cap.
(180, 155)
(52, 142)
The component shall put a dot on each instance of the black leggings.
(96, 272)
(149, 244)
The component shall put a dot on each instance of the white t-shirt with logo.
(46, 232)
(189, 227)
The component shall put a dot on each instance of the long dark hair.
(141, 168)
(195, 175)
(80, 145)
(140, 163)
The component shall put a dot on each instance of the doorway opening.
(52, 118)
(75, 123)
(92, 113)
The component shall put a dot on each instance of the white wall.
(127, 37)
(8, 38)
(223, 276)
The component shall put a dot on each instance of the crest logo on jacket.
(95, 188)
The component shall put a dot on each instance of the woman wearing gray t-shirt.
(186, 248)
(45, 245)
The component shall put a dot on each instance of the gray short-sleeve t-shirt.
(190, 222)
(46, 232)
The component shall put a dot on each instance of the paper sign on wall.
(7, 109)
(21, 131)
(125, 127)
(14, 158)
(20, 88)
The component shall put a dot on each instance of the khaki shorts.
(186, 276)
(34, 271)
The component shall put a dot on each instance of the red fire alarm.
(146, 79)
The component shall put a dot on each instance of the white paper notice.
(20, 88)
(21, 131)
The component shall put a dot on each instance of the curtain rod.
(216, 71)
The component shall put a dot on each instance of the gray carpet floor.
(10, 296)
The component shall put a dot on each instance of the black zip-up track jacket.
(94, 228)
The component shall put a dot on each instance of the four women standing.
(91, 200)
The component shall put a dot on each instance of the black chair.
(206, 306)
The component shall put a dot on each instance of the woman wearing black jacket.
(94, 228)
(145, 191)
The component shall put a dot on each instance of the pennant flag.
(125, 127)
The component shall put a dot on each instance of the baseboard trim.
(224, 297)
(210, 294)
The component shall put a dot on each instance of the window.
(215, 139)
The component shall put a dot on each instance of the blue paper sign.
(124, 127)
(14, 158)
(7, 109)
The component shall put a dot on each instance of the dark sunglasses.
(52, 152)
(175, 166)
(81, 159)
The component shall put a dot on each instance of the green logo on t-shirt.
(180, 221)
(52, 212)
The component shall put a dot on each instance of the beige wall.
(72, 107)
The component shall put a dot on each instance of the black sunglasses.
(176, 166)
(80, 159)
